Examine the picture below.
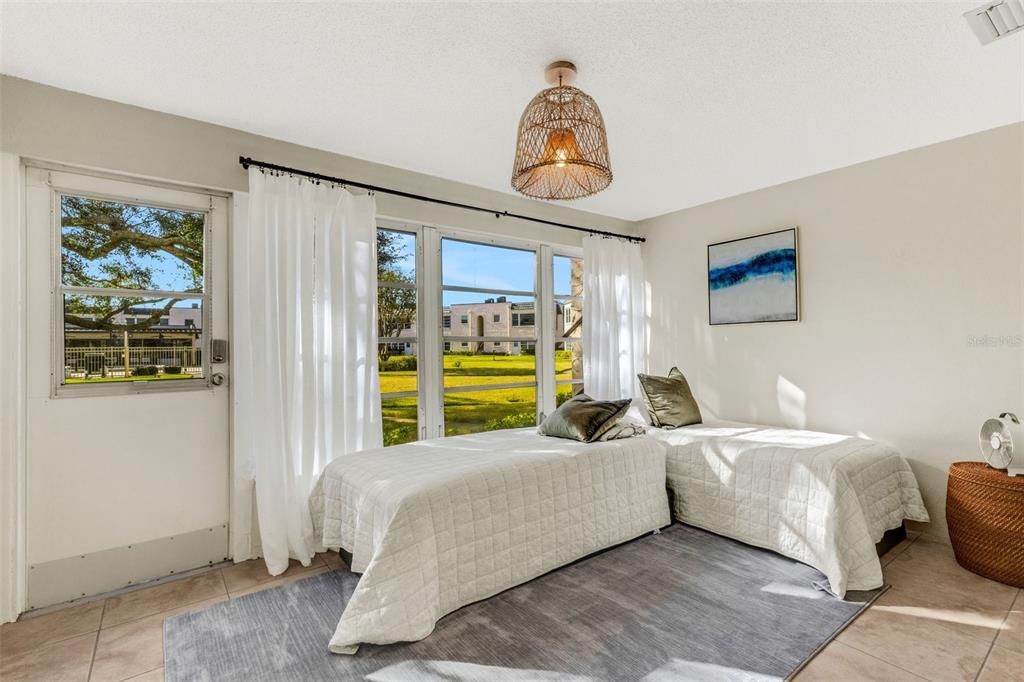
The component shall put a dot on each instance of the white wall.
(51, 124)
(121, 497)
(902, 261)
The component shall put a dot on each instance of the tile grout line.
(224, 583)
(992, 645)
(96, 642)
(157, 613)
(889, 663)
(129, 679)
(868, 653)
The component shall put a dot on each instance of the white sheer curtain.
(615, 318)
(305, 365)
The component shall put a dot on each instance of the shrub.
(512, 421)
(172, 369)
(399, 363)
(147, 371)
(401, 434)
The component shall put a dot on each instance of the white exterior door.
(128, 405)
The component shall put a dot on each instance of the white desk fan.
(1002, 442)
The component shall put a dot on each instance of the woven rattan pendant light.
(562, 146)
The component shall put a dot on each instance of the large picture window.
(132, 293)
(491, 381)
(476, 305)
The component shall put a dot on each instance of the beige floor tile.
(282, 579)
(67, 660)
(152, 676)
(1003, 665)
(840, 662)
(160, 598)
(38, 631)
(927, 571)
(1012, 635)
(333, 561)
(937, 644)
(136, 647)
(249, 574)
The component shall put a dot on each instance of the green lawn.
(474, 411)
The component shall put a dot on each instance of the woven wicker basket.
(985, 513)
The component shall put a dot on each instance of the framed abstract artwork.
(754, 279)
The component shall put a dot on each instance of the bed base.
(891, 539)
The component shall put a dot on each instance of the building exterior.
(175, 340)
(514, 325)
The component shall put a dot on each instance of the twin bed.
(438, 524)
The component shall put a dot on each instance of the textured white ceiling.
(701, 101)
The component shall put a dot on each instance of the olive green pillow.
(669, 400)
(583, 418)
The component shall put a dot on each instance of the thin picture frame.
(798, 314)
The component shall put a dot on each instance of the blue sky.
(483, 266)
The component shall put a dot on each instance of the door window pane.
(111, 244)
(116, 339)
(476, 411)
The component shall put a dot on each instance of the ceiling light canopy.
(562, 146)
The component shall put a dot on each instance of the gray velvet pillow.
(582, 418)
(669, 400)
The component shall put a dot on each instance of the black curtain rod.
(246, 162)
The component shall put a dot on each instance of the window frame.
(126, 191)
(431, 337)
(562, 298)
(416, 231)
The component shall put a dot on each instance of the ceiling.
(701, 101)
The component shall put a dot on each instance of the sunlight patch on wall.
(792, 402)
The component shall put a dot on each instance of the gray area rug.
(684, 604)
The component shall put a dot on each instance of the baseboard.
(62, 580)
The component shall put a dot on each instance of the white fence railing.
(94, 360)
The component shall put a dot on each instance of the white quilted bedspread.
(819, 498)
(438, 524)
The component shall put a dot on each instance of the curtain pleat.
(305, 386)
(615, 318)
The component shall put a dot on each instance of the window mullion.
(431, 342)
(545, 349)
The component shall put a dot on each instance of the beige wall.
(50, 124)
(904, 262)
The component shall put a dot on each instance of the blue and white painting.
(753, 279)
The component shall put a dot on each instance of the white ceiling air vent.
(996, 20)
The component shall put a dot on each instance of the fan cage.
(582, 168)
